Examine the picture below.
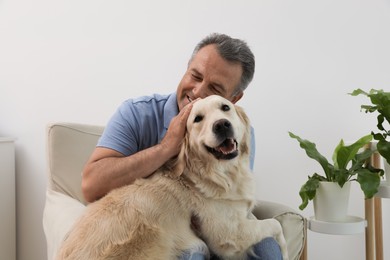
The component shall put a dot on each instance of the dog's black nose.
(223, 128)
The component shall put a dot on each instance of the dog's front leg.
(234, 240)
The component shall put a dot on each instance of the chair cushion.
(60, 213)
(69, 147)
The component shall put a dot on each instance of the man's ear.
(237, 97)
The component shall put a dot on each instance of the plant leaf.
(380, 119)
(369, 182)
(368, 108)
(341, 176)
(336, 152)
(308, 190)
(312, 152)
(382, 101)
(378, 136)
(384, 149)
(385, 111)
(358, 92)
(344, 154)
(359, 160)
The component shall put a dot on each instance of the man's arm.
(108, 169)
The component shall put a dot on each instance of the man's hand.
(177, 128)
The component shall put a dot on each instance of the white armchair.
(69, 146)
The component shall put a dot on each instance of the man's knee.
(266, 249)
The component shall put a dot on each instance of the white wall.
(70, 60)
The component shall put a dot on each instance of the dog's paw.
(277, 234)
(283, 245)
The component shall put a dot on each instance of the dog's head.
(216, 146)
(217, 130)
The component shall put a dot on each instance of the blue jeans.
(266, 249)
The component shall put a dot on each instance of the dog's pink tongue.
(227, 146)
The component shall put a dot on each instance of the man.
(146, 132)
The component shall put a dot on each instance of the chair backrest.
(69, 146)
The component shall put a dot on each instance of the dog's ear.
(244, 147)
(242, 115)
(175, 167)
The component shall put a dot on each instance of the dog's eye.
(225, 108)
(198, 119)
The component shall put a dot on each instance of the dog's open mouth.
(225, 151)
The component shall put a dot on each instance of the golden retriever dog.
(210, 179)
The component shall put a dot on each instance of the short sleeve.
(120, 133)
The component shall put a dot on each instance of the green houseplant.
(349, 164)
(381, 104)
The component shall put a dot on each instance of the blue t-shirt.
(142, 122)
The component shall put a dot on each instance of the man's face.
(209, 74)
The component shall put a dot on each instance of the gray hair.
(232, 50)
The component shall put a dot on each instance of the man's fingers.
(187, 110)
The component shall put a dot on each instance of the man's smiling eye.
(196, 77)
(225, 108)
(215, 90)
(198, 119)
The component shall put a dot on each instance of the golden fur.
(151, 218)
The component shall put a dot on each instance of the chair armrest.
(293, 224)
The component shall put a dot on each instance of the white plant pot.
(331, 202)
